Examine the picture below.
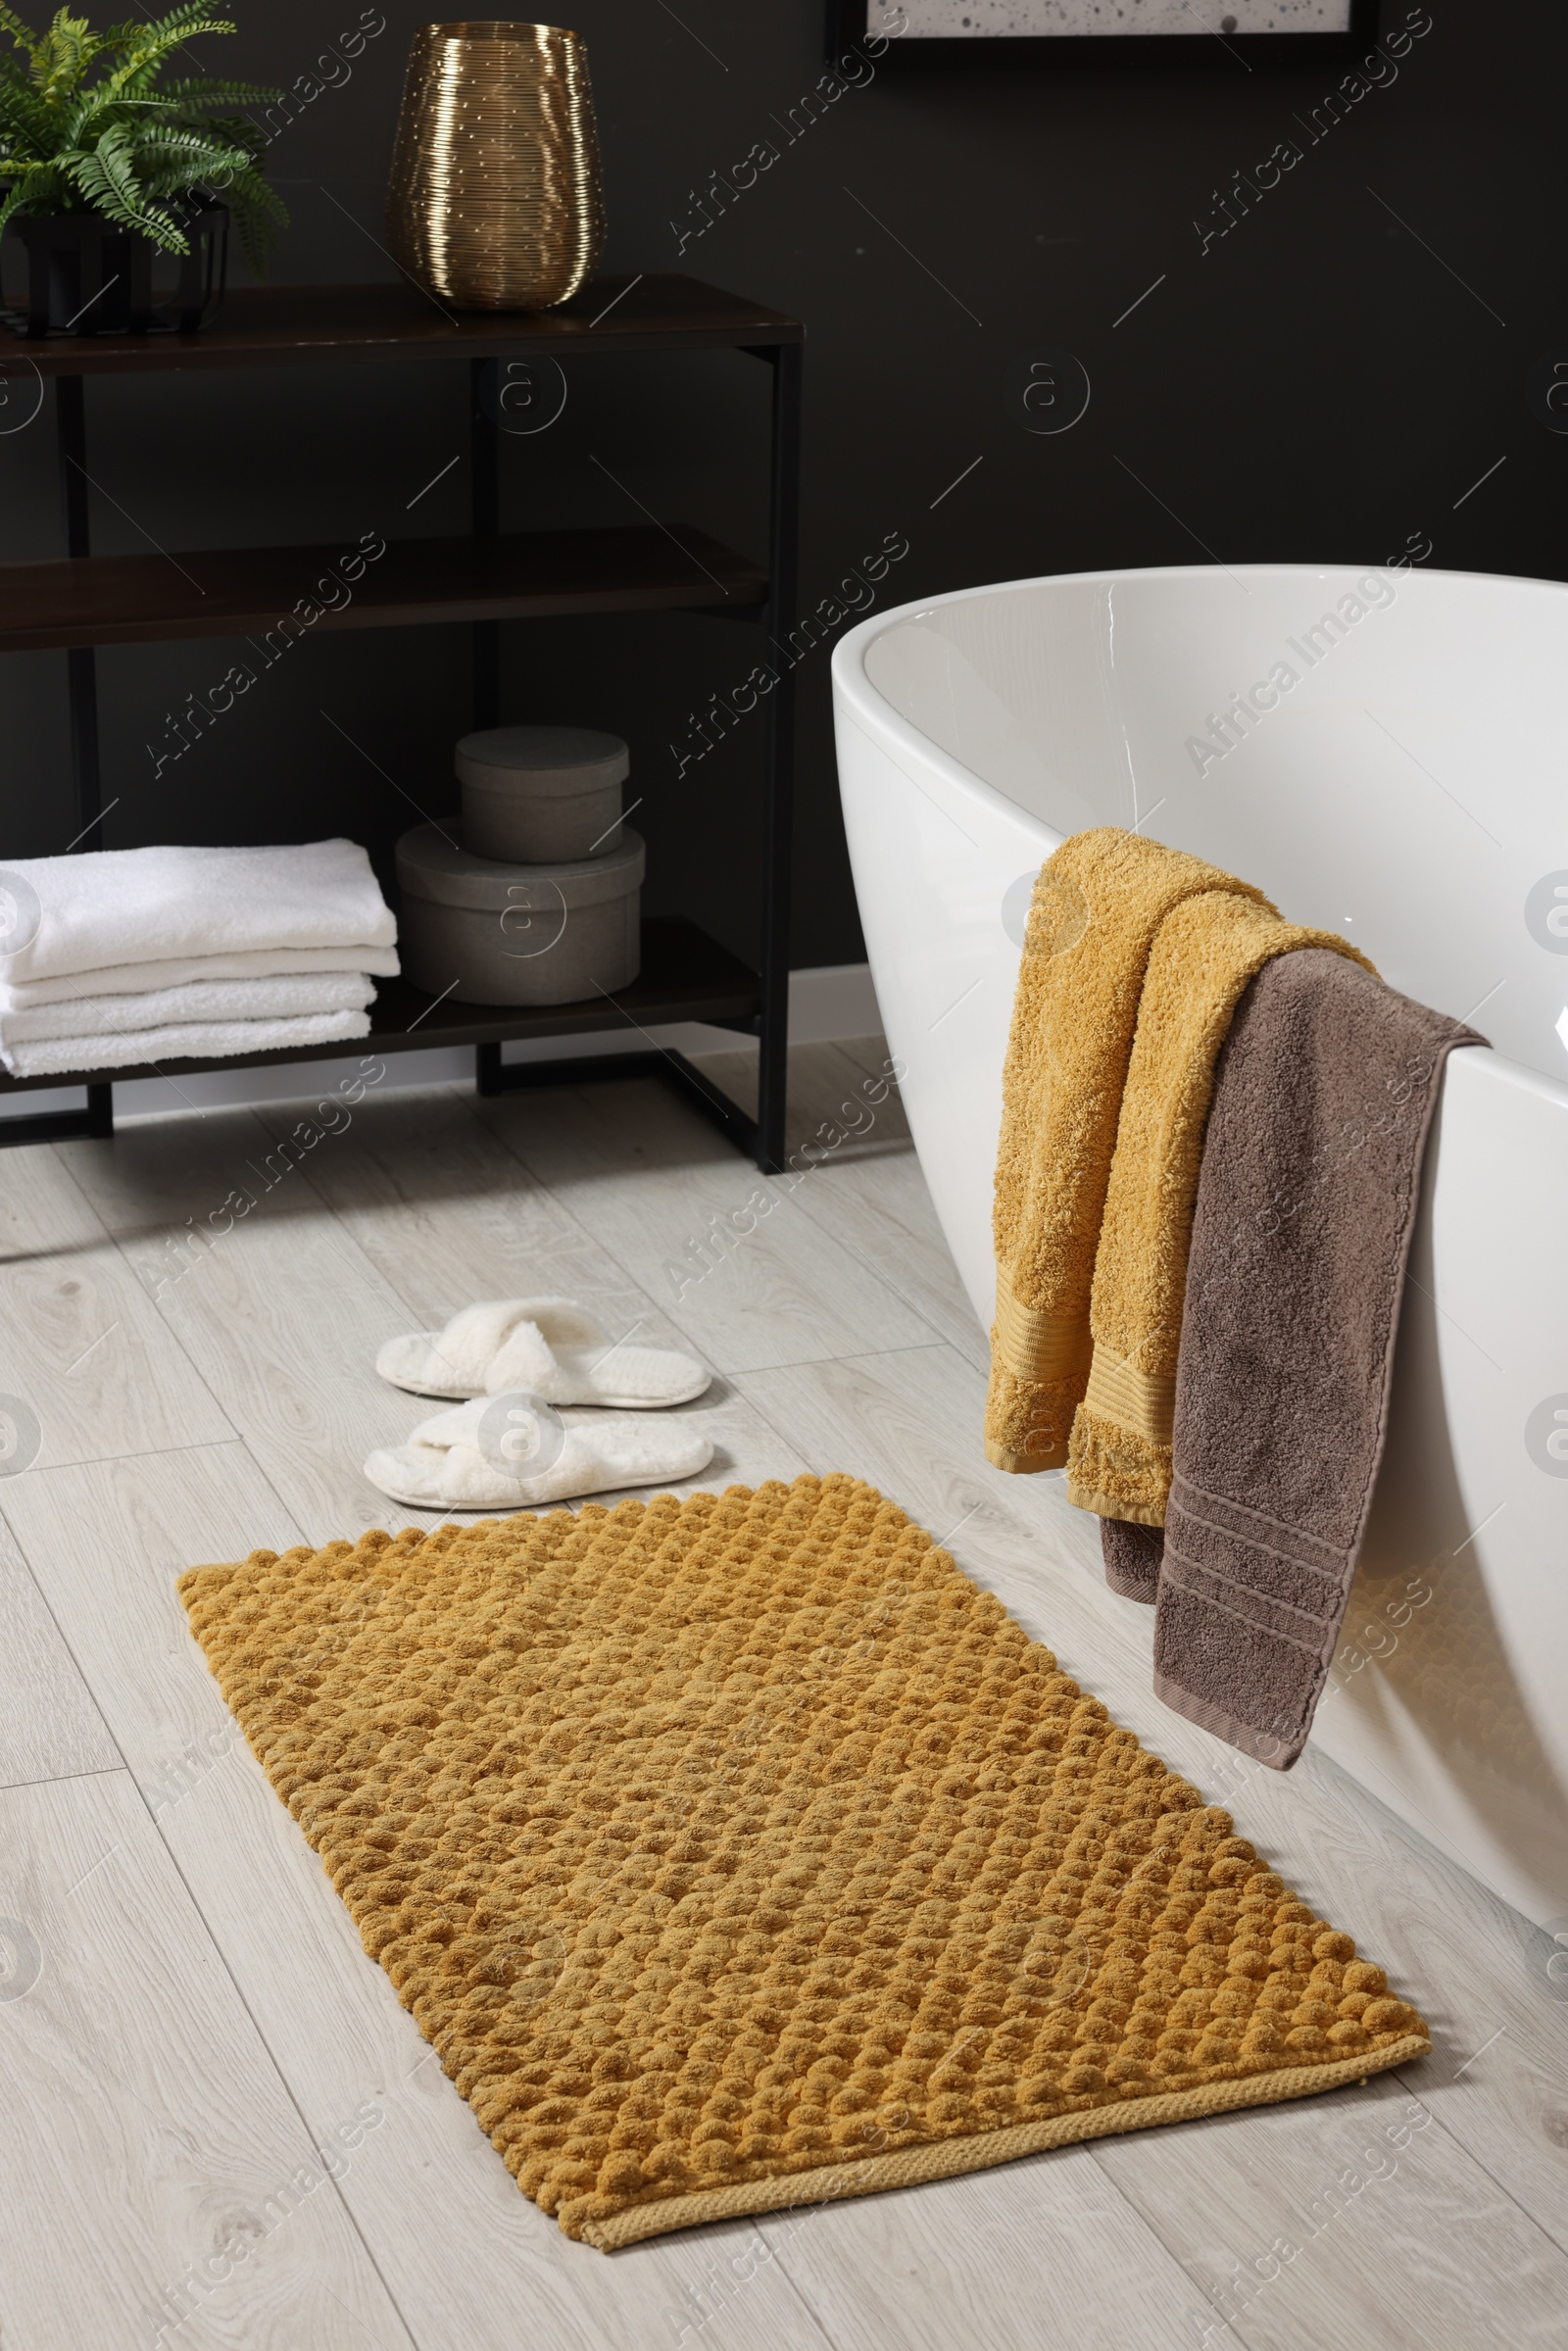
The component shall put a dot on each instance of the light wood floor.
(186, 2017)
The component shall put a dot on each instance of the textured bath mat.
(739, 1852)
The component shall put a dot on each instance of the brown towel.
(1311, 1177)
(1099, 903)
(1132, 1556)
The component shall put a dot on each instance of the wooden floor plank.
(187, 1175)
(729, 1256)
(472, 2264)
(49, 1727)
(282, 1321)
(88, 1370)
(159, 2183)
(1497, 2079)
(447, 1216)
(1353, 2219)
(1040, 2252)
(883, 1215)
(842, 1104)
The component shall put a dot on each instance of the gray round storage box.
(535, 793)
(512, 934)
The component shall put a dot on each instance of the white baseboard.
(831, 1001)
(826, 1001)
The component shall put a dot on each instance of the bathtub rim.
(862, 703)
(872, 708)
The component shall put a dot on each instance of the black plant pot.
(88, 277)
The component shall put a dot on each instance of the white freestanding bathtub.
(1386, 753)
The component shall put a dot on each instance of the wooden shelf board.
(278, 326)
(685, 975)
(245, 591)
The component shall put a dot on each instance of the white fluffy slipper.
(503, 1452)
(550, 1346)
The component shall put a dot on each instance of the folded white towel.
(179, 971)
(140, 905)
(176, 1007)
(192, 1041)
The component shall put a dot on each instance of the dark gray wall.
(1323, 382)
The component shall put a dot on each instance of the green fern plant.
(87, 124)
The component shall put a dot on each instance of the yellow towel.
(1099, 903)
(1209, 948)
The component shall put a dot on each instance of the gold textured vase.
(495, 201)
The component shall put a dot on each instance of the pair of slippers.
(507, 1444)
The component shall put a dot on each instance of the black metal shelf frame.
(761, 1138)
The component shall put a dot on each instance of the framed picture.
(1077, 27)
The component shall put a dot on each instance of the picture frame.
(1049, 29)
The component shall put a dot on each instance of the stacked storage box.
(539, 902)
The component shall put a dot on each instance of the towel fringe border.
(1112, 1505)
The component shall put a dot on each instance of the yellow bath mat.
(1097, 905)
(1205, 953)
(739, 1852)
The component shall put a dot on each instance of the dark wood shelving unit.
(685, 975)
(280, 326)
(233, 592)
(482, 580)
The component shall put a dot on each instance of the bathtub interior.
(1402, 775)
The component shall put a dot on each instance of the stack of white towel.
(135, 955)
